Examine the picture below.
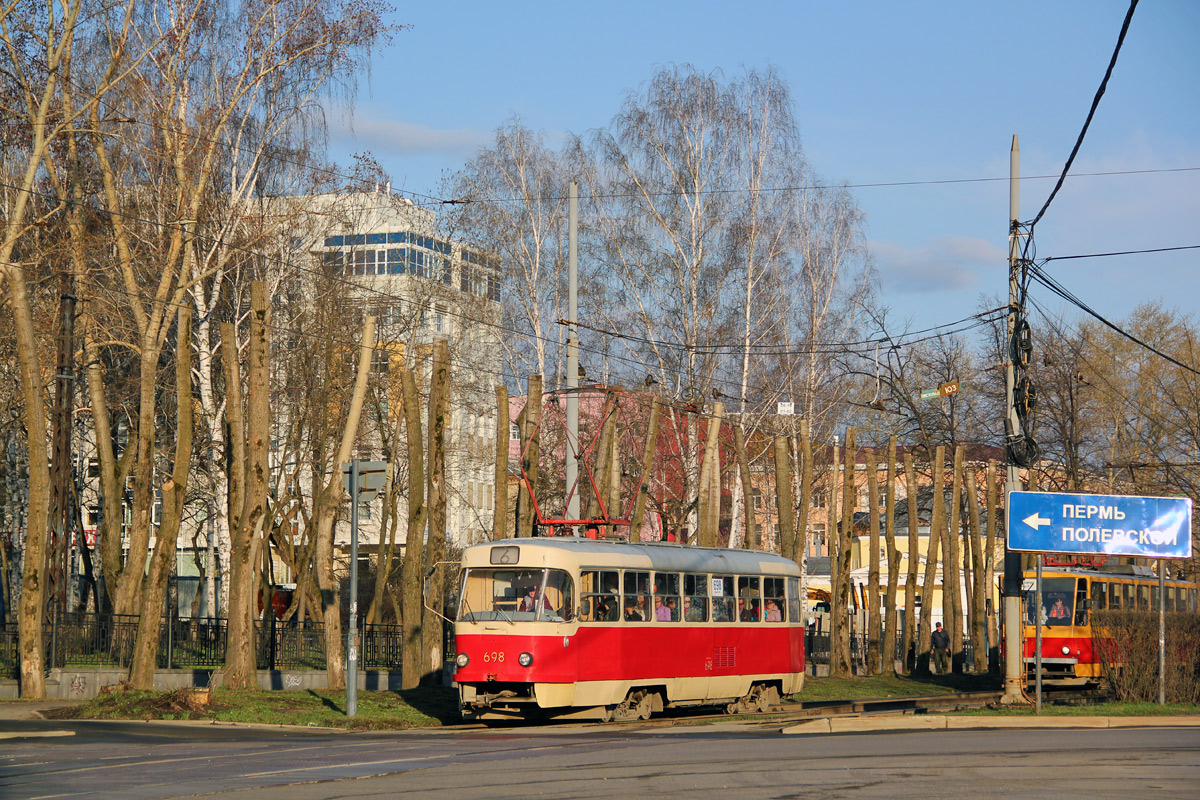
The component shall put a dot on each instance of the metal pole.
(1162, 634)
(1012, 560)
(572, 462)
(352, 632)
(1037, 653)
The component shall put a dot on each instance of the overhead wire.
(1038, 274)
(1110, 390)
(1112, 63)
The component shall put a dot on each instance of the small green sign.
(929, 394)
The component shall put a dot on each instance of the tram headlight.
(525, 659)
(1066, 650)
(462, 659)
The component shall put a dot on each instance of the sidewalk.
(31, 709)
(934, 722)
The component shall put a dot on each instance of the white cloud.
(390, 137)
(949, 263)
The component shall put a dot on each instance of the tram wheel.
(638, 704)
(760, 699)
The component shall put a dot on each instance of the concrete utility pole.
(572, 460)
(1012, 560)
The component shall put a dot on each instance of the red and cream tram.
(573, 627)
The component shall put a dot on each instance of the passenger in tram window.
(673, 607)
(661, 612)
(631, 611)
(773, 613)
(604, 606)
(693, 609)
(747, 612)
(641, 607)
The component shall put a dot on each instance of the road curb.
(34, 734)
(945, 722)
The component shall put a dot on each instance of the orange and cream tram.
(1069, 596)
(574, 627)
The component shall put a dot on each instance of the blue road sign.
(1099, 524)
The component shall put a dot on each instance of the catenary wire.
(1091, 113)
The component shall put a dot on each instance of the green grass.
(1101, 709)
(881, 687)
(417, 708)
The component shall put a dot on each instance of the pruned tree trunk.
(953, 572)
(938, 530)
(241, 668)
(332, 497)
(530, 455)
(648, 451)
(840, 627)
(752, 537)
(912, 644)
(597, 496)
(412, 609)
(893, 555)
(978, 558)
(435, 548)
(710, 464)
(783, 490)
(929, 585)
(874, 619)
(145, 648)
(500, 489)
(240, 664)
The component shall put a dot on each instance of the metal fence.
(92, 640)
(817, 649)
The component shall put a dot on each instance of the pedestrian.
(939, 648)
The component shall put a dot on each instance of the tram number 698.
(493, 657)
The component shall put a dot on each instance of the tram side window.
(695, 598)
(1099, 595)
(774, 605)
(722, 598)
(1128, 605)
(793, 603)
(749, 599)
(635, 607)
(598, 590)
(1170, 598)
(1192, 600)
(1114, 596)
(1143, 597)
(1081, 593)
(558, 603)
(666, 596)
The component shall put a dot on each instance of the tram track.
(789, 712)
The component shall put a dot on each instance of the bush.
(1126, 645)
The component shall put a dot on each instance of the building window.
(819, 499)
(817, 540)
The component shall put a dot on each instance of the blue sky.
(885, 92)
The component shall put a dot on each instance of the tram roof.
(549, 552)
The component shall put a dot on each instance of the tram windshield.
(516, 595)
(1058, 596)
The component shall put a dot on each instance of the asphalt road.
(136, 761)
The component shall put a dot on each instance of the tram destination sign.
(1098, 524)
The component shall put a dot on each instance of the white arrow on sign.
(1034, 521)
